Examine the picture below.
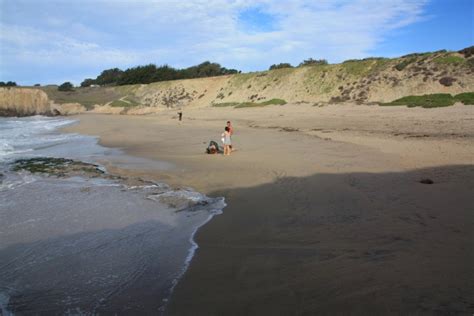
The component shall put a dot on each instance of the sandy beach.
(325, 210)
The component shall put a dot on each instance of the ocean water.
(85, 246)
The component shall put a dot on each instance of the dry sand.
(326, 214)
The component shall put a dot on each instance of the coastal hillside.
(370, 80)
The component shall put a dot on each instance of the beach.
(326, 212)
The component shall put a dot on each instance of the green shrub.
(275, 102)
(224, 104)
(313, 62)
(357, 68)
(67, 86)
(405, 63)
(239, 105)
(280, 66)
(249, 105)
(416, 55)
(7, 84)
(425, 101)
(466, 98)
(449, 60)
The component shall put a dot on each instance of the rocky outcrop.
(24, 102)
(27, 102)
(67, 108)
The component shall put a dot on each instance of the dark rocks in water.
(13, 113)
(17, 113)
(57, 167)
(426, 181)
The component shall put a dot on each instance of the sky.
(53, 41)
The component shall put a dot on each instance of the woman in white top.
(227, 141)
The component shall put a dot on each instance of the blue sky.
(53, 41)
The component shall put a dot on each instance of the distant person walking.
(227, 141)
(180, 115)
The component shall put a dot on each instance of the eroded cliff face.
(26, 102)
(371, 80)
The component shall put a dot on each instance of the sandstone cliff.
(28, 101)
(23, 102)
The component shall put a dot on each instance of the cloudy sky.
(52, 41)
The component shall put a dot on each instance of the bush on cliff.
(313, 62)
(7, 84)
(152, 73)
(87, 82)
(280, 66)
(67, 86)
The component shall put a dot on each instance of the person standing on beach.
(227, 141)
(180, 115)
(231, 131)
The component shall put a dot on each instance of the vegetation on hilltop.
(280, 66)
(7, 84)
(67, 86)
(151, 73)
(313, 62)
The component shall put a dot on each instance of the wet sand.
(326, 213)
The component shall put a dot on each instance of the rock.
(426, 181)
(67, 108)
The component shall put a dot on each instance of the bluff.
(28, 101)
(370, 80)
(23, 102)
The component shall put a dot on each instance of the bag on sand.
(213, 148)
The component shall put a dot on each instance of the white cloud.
(104, 34)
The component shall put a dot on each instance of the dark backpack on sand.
(213, 148)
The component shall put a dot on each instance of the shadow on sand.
(338, 244)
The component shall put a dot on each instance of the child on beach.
(231, 131)
(227, 141)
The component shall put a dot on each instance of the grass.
(449, 60)
(224, 104)
(239, 105)
(249, 105)
(87, 97)
(407, 61)
(274, 102)
(124, 102)
(466, 98)
(365, 66)
(433, 100)
(240, 80)
(357, 68)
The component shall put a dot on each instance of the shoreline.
(310, 189)
(127, 232)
